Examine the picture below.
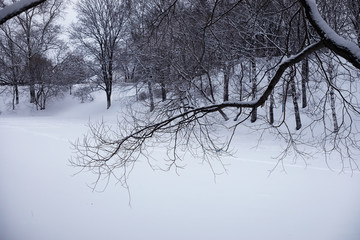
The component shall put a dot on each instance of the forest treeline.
(226, 50)
(261, 59)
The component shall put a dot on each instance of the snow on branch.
(16, 8)
(345, 48)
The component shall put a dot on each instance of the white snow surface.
(40, 199)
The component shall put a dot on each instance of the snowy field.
(40, 199)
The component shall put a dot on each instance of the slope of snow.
(42, 200)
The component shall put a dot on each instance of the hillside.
(41, 198)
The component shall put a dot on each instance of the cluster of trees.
(197, 63)
(33, 55)
(275, 63)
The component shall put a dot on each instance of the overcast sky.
(70, 15)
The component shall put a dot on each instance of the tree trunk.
(332, 76)
(16, 94)
(271, 97)
(304, 81)
(13, 99)
(271, 109)
(108, 100)
(108, 91)
(163, 91)
(108, 80)
(227, 70)
(31, 78)
(151, 96)
(295, 100)
(40, 99)
(32, 91)
(333, 110)
(253, 87)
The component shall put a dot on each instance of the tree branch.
(344, 48)
(16, 8)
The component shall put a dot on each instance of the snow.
(16, 8)
(329, 32)
(41, 199)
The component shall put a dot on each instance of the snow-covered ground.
(40, 199)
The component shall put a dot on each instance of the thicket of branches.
(287, 67)
(208, 63)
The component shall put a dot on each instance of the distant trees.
(12, 71)
(72, 69)
(33, 56)
(46, 84)
(99, 30)
(39, 32)
(11, 61)
(25, 44)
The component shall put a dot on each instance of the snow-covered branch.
(16, 8)
(344, 48)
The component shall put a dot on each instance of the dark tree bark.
(304, 81)
(108, 98)
(151, 96)
(227, 70)
(295, 98)
(253, 87)
(31, 77)
(108, 80)
(271, 109)
(163, 91)
(15, 100)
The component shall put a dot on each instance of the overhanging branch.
(148, 130)
(16, 8)
(344, 48)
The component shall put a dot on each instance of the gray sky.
(70, 15)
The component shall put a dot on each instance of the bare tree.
(31, 32)
(36, 33)
(45, 87)
(99, 31)
(112, 152)
(12, 63)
